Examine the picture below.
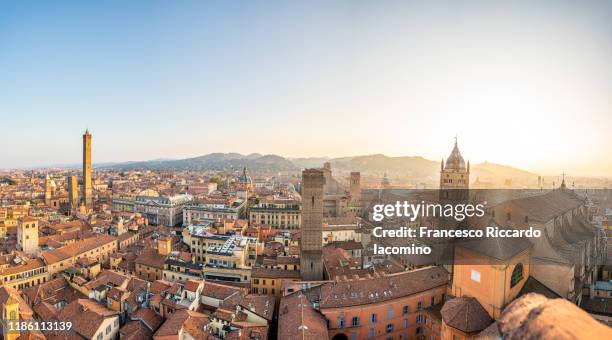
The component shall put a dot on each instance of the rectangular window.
(374, 317)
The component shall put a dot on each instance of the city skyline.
(402, 79)
(103, 164)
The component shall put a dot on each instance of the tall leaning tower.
(311, 242)
(87, 191)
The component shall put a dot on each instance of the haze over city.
(157, 80)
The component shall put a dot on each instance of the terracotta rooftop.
(297, 319)
(188, 321)
(54, 291)
(24, 266)
(148, 317)
(151, 259)
(86, 316)
(220, 291)
(262, 305)
(192, 285)
(354, 292)
(135, 330)
(465, 314)
(77, 248)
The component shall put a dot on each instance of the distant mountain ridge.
(412, 166)
(215, 161)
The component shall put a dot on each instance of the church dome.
(455, 160)
(245, 178)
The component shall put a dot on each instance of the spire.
(455, 161)
(563, 180)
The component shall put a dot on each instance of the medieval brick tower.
(355, 187)
(87, 191)
(73, 192)
(49, 190)
(311, 243)
(27, 235)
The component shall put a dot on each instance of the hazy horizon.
(77, 165)
(522, 84)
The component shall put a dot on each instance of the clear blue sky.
(523, 84)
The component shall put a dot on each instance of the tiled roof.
(86, 316)
(77, 248)
(192, 285)
(151, 259)
(262, 305)
(220, 291)
(148, 317)
(29, 265)
(135, 330)
(465, 314)
(363, 291)
(297, 319)
(191, 322)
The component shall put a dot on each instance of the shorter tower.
(73, 192)
(48, 190)
(327, 174)
(27, 235)
(355, 187)
(311, 230)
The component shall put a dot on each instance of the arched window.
(517, 275)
